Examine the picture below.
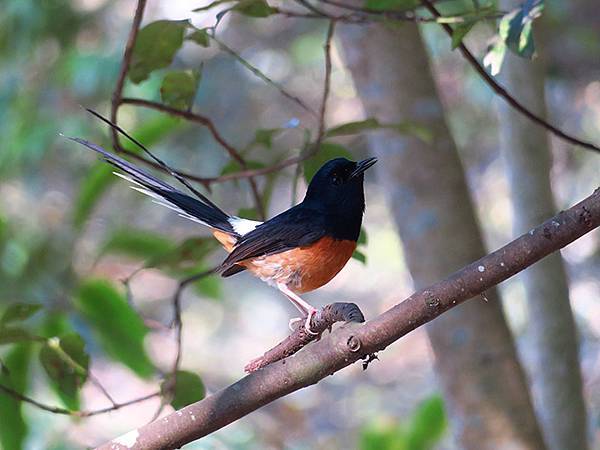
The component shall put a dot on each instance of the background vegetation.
(88, 268)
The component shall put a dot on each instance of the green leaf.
(140, 244)
(118, 327)
(360, 256)
(11, 335)
(326, 152)
(14, 427)
(179, 88)
(427, 425)
(373, 124)
(18, 312)
(200, 37)
(155, 47)
(187, 254)
(254, 8)
(3, 230)
(394, 5)
(516, 28)
(93, 186)
(265, 136)
(495, 57)
(362, 241)
(459, 32)
(66, 363)
(362, 237)
(233, 166)
(188, 389)
(153, 131)
(209, 286)
(212, 5)
(248, 213)
(412, 129)
(383, 434)
(353, 127)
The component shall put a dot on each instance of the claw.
(309, 317)
(293, 323)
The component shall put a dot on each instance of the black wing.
(296, 227)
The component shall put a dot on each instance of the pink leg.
(306, 309)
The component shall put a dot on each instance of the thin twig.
(117, 101)
(326, 84)
(57, 410)
(191, 117)
(125, 63)
(502, 92)
(208, 123)
(263, 76)
(177, 323)
(168, 390)
(247, 173)
(408, 16)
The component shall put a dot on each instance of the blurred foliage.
(188, 389)
(66, 363)
(14, 374)
(58, 313)
(422, 431)
(115, 323)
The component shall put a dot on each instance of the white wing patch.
(243, 226)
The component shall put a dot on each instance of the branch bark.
(354, 341)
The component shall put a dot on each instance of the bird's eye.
(336, 179)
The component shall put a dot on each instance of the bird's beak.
(363, 165)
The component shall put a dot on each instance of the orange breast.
(304, 269)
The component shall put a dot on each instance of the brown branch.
(67, 412)
(246, 173)
(323, 320)
(326, 83)
(208, 123)
(126, 62)
(191, 117)
(117, 101)
(352, 342)
(502, 92)
(177, 323)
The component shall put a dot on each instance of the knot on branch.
(323, 320)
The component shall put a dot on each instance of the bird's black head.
(337, 189)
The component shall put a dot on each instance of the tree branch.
(208, 123)
(499, 90)
(355, 341)
(125, 63)
(67, 412)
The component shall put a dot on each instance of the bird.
(296, 251)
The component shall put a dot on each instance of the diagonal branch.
(258, 73)
(499, 90)
(355, 341)
(208, 123)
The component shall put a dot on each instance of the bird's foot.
(307, 319)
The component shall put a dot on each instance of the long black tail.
(200, 210)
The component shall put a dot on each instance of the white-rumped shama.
(297, 251)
